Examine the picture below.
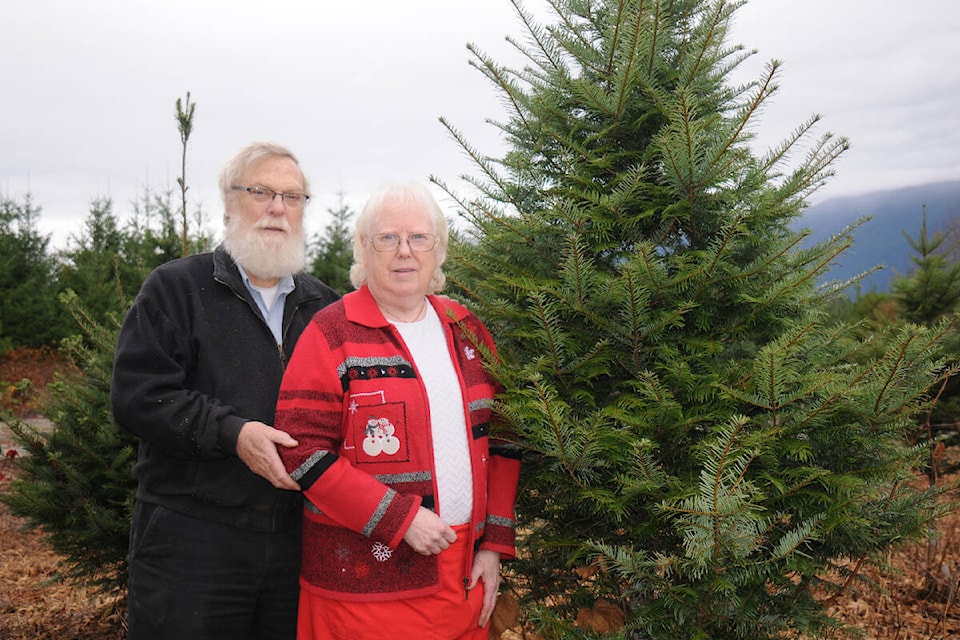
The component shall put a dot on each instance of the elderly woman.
(409, 502)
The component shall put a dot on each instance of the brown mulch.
(33, 604)
(920, 602)
(25, 374)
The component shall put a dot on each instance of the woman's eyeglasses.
(416, 241)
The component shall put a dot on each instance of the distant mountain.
(881, 240)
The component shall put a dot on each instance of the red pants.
(446, 615)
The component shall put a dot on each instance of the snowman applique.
(379, 438)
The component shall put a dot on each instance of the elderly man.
(215, 538)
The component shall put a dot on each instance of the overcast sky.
(356, 88)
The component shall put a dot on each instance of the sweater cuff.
(229, 433)
(397, 538)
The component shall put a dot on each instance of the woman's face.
(401, 274)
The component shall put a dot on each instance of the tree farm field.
(916, 600)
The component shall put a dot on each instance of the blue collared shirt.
(273, 315)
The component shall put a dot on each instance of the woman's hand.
(486, 567)
(428, 534)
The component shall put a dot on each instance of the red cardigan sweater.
(353, 399)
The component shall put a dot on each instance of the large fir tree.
(701, 447)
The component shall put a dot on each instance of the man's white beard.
(262, 255)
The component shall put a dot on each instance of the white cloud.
(356, 89)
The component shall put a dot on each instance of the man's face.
(267, 238)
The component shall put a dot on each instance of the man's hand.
(428, 534)
(486, 567)
(257, 447)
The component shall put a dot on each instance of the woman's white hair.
(398, 194)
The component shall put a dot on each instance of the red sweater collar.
(361, 308)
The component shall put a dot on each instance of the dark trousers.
(191, 578)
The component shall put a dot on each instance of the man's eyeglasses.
(262, 194)
(416, 241)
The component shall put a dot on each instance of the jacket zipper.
(284, 329)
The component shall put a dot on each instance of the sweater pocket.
(377, 434)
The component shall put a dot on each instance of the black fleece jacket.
(195, 360)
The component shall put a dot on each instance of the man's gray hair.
(247, 157)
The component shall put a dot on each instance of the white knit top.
(451, 453)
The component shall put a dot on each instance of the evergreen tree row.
(105, 264)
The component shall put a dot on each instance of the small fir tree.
(94, 265)
(76, 483)
(932, 290)
(184, 116)
(30, 314)
(925, 296)
(702, 448)
(333, 252)
(151, 234)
